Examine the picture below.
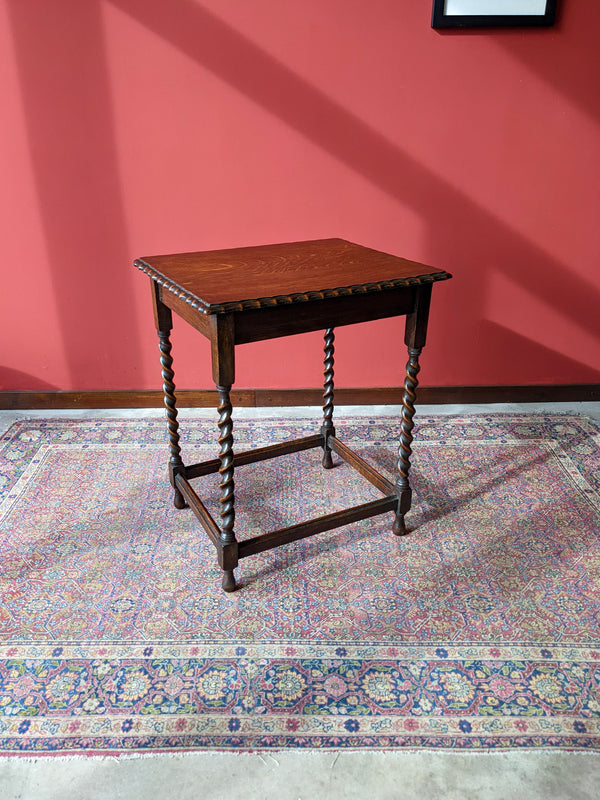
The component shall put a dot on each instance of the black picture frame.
(440, 19)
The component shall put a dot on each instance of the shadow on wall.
(80, 136)
(532, 362)
(61, 53)
(14, 380)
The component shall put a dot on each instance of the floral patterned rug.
(480, 630)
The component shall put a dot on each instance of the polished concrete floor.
(299, 775)
(588, 409)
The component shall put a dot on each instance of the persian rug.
(479, 630)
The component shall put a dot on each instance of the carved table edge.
(280, 300)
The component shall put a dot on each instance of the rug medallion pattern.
(479, 630)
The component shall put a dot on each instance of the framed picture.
(475, 13)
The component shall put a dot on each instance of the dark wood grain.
(226, 485)
(164, 323)
(327, 429)
(256, 455)
(218, 281)
(406, 438)
(302, 530)
(255, 325)
(345, 396)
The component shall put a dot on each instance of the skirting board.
(426, 395)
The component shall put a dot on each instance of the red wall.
(135, 127)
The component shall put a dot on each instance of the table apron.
(253, 325)
(191, 315)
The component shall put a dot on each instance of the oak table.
(255, 293)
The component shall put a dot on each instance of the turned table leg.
(176, 466)
(223, 368)
(414, 338)
(406, 437)
(327, 429)
(226, 484)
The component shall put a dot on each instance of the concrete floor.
(299, 775)
(293, 775)
(588, 409)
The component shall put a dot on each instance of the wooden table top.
(220, 281)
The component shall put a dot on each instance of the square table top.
(219, 281)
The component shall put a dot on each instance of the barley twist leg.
(175, 462)
(226, 484)
(406, 427)
(327, 428)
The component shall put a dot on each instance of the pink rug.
(480, 630)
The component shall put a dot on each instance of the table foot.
(399, 527)
(179, 500)
(228, 582)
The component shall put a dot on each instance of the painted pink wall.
(135, 127)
